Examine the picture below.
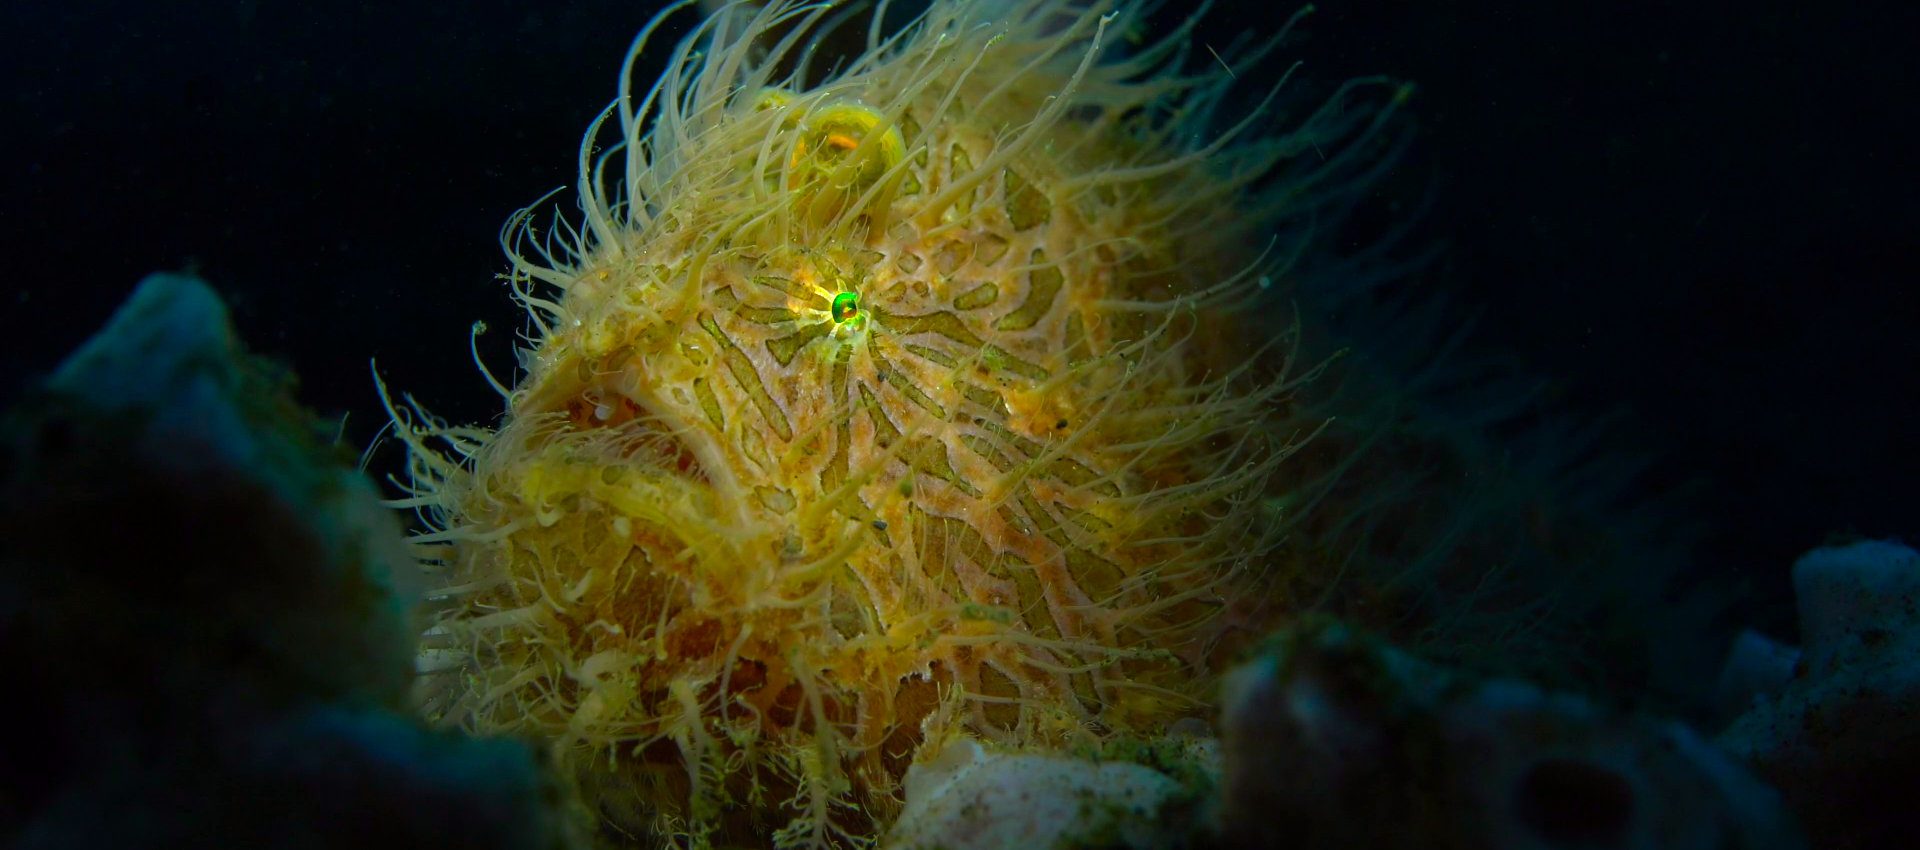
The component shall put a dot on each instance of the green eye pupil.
(845, 306)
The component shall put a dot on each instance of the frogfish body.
(941, 396)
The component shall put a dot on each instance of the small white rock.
(1757, 668)
(967, 798)
(1855, 598)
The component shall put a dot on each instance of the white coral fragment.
(967, 798)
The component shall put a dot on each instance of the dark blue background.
(1703, 213)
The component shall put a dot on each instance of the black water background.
(1705, 213)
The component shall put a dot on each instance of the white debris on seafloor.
(1757, 667)
(1859, 609)
(970, 798)
(1841, 736)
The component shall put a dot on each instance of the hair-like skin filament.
(927, 398)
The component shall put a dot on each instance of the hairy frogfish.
(948, 388)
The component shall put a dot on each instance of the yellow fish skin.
(939, 396)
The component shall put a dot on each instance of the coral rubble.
(207, 614)
(1336, 740)
(1840, 737)
(969, 798)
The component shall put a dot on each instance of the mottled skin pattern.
(740, 552)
